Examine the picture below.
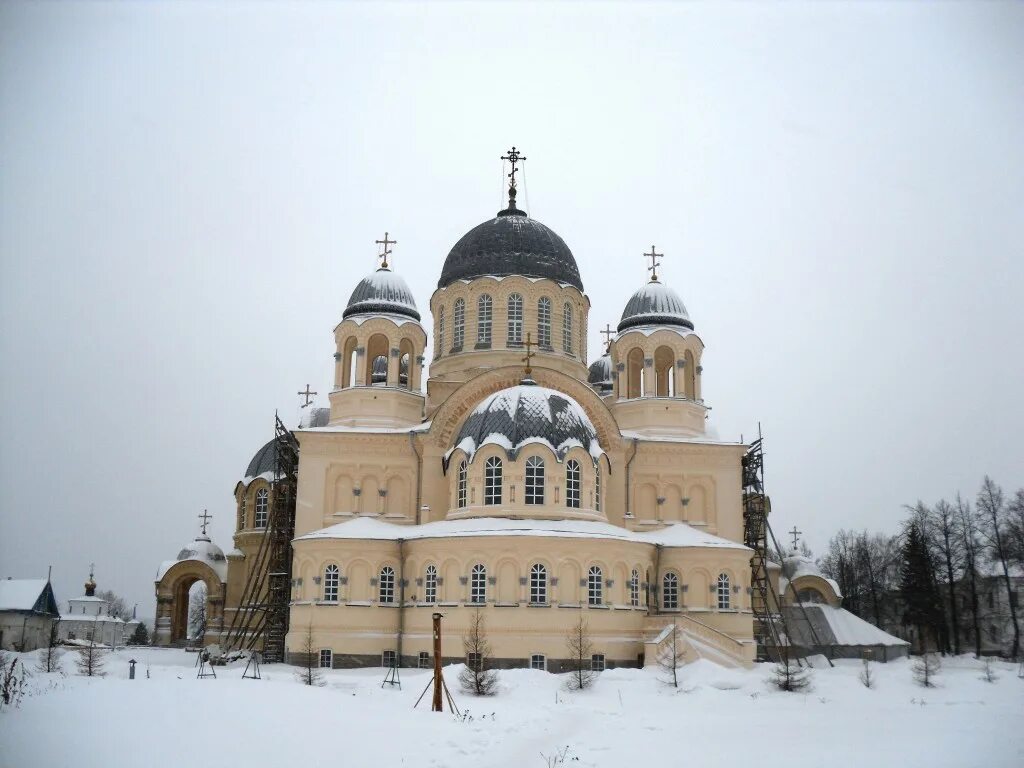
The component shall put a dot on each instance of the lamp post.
(131, 669)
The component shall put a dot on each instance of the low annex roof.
(20, 594)
(673, 535)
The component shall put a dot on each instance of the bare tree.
(478, 678)
(197, 613)
(942, 521)
(1015, 527)
(310, 673)
(90, 660)
(867, 674)
(581, 653)
(967, 528)
(670, 655)
(12, 680)
(116, 605)
(788, 675)
(988, 672)
(993, 514)
(49, 659)
(925, 668)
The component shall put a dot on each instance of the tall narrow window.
(597, 662)
(262, 508)
(483, 320)
(386, 588)
(459, 318)
(670, 592)
(567, 328)
(544, 323)
(423, 660)
(723, 591)
(430, 585)
(331, 574)
(634, 588)
(538, 584)
(515, 320)
(597, 487)
(439, 346)
(462, 484)
(534, 480)
(326, 658)
(242, 522)
(572, 484)
(478, 584)
(492, 481)
(595, 586)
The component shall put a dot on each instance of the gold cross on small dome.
(383, 255)
(653, 256)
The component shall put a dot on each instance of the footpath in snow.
(717, 717)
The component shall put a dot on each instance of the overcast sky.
(189, 192)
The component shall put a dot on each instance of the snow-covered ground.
(718, 717)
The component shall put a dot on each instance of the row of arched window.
(534, 485)
(261, 509)
(514, 334)
(595, 584)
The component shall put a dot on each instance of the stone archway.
(172, 598)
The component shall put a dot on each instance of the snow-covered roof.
(674, 535)
(382, 292)
(599, 375)
(706, 439)
(20, 594)
(834, 626)
(795, 565)
(655, 304)
(103, 617)
(526, 414)
(202, 550)
(425, 426)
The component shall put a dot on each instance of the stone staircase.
(694, 640)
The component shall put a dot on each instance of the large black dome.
(511, 244)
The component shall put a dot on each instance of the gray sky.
(189, 192)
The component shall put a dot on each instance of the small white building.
(27, 611)
(88, 620)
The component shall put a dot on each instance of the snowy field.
(629, 718)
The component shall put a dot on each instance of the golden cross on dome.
(206, 518)
(607, 332)
(654, 256)
(795, 534)
(529, 344)
(385, 253)
(307, 394)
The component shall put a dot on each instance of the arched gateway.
(200, 560)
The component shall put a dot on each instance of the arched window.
(634, 588)
(459, 318)
(567, 328)
(478, 584)
(462, 484)
(723, 591)
(430, 585)
(515, 320)
(379, 371)
(492, 481)
(331, 576)
(386, 586)
(544, 323)
(572, 484)
(595, 586)
(538, 584)
(483, 320)
(262, 508)
(535, 480)
(670, 592)
(242, 522)
(597, 487)
(440, 333)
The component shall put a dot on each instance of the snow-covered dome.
(382, 292)
(526, 414)
(262, 462)
(655, 304)
(600, 374)
(203, 550)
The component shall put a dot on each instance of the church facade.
(509, 476)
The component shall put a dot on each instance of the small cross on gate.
(529, 344)
(796, 536)
(385, 253)
(307, 394)
(608, 333)
(653, 256)
(206, 518)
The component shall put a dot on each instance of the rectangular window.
(538, 585)
(567, 329)
(544, 323)
(597, 662)
(534, 481)
(473, 661)
(326, 658)
(492, 481)
(478, 585)
(424, 660)
(430, 585)
(389, 659)
(483, 320)
(515, 320)
(572, 484)
(539, 661)
(459, 319)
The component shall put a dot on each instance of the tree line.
(950, 577)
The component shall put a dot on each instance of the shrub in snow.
(925, 668)
(581, 652)
(310, 673)
(670, 656)
(12, 681)
(867, 675)
(788, 675)
(49, 657)
(90, 660)
(988, 672)
(477, 678)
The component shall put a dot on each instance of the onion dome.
(526, 414)
(382, 292)
(600, 375)
(655, 304)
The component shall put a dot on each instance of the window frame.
(440, 332)
(389, 653)
(331, 584)
(262, 499)
(573, 476)
(670, 591)
(538, 584)
(541, 659)
(330, 659)
(493, 478)
(514, 317)
(474, 661)
(724, 592)
(595, 585)
(597, 487)
(533, 485)
(459, 324)
(421, 657)
(544, 323)
(597, 662)
(430, 584)
(634, 588)
(484, 319)
(478, 584)
(461, 485)
(567, 328)
(386, 585)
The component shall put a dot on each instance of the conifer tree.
(581, 651)
(140, 636)
(922, 606)
(478, 678)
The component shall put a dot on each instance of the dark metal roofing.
(263, 461)
(382, 292)
(600, 374)
(655, 304)
(511, 244)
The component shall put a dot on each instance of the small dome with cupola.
(655, 304)
(382, 292)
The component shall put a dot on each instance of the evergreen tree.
(140, 636)
(478, 678)
(922, 604)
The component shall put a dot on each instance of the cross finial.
(383, 255)
(607, 332)
(654, 256)
(529, 344)
(796, 536)
(308, 395)
(206, 518)
(92, 570)
(514, 156)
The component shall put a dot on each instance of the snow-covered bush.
(925, 668)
